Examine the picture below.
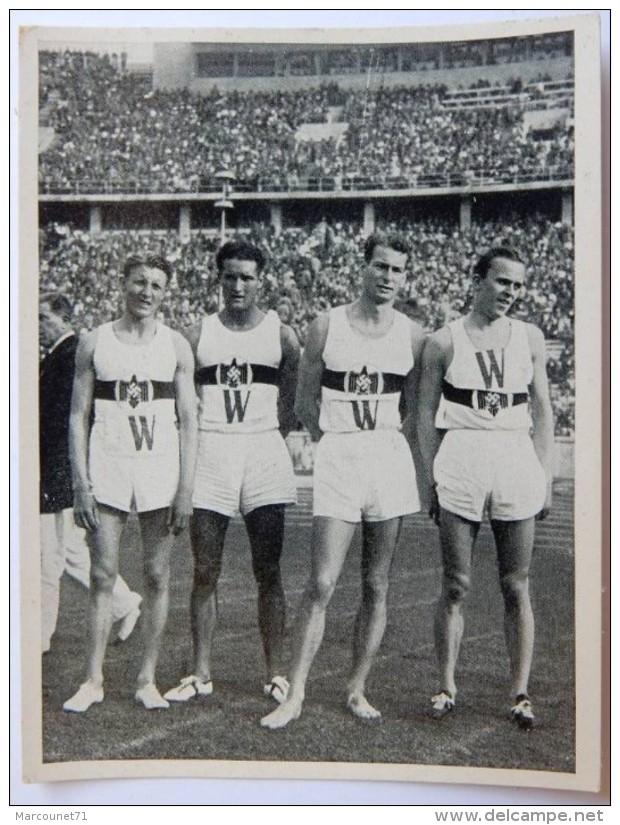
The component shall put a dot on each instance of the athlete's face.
(240, 284)
(384, 274)
(502, 285)
(144, 289)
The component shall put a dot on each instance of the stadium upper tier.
(112, 133)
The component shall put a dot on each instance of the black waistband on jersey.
(261, 374)
(466, 397)
(349, 382)
(107, 390)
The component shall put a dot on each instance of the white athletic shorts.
(141, 482)
(364, 476)
(493, 471)
(238, 472)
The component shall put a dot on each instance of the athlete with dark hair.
(484, 383)
(359, 360)
(246, 374)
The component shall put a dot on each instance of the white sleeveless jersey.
(363, 377)
(487, 389)
(134, 397)
(237, 376)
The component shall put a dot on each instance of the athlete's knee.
(320, 589)
(456, 587)
(156, 577)
(515, 587)
(206, 576)
(102, 577)
(268, 576)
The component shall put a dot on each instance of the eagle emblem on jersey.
(133, 392)
(363, 382)
(234, 375)
(493, 402)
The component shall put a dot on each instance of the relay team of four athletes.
(467, 405)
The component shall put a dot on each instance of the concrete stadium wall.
(174, 67)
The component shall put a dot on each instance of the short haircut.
(151, 261)
(483, 265)
(59, 304)
(240, 250)
(391, 240)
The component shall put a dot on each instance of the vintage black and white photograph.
(307, 431)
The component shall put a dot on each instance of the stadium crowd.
(112, 132)
(313, 268)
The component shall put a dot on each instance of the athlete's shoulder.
(317, 336)
(192, 334)
(416, 330)
(438, 349)
(181, 344)
(533, 331)
(441, 338)
(85, 350)
(288, 337)
(87, 341)
(535, 336)
(320, 324)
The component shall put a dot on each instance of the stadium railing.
(561, 173)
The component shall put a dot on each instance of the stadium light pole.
(224, 203)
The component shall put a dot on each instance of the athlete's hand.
(85, 512)
(434, 510)
(179, 512)
(547, 505)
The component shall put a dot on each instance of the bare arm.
(310, 374)
(186, 403)
(411, 387)
(192, 334)
(287, 382)
(84, 507)
(434, 360)
(542, 413)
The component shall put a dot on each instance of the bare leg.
(77, 565)
(265, 527)
(157, 543)
(515, 542)
(379, 542)
(457, 540)
(104, 547)
(330, 541)
(207, 532)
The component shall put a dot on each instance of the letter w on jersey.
(365, 418)
(142, 435)
(235, 407)
(492, 371)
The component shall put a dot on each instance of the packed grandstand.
(109, 131)
(114, 133)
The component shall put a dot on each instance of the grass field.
(225, 726)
